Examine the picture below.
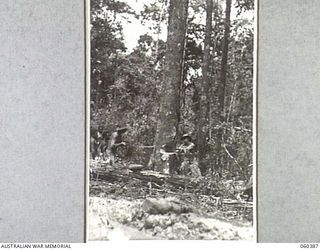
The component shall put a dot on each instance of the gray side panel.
(288, 121)
(42, 121)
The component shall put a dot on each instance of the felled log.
(125, 175)
(200, 185)
(135, 167)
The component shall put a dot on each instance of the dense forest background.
(203, 87)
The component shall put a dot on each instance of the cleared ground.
(129, 206)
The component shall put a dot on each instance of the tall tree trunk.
(204, 91)
(223, 76)
(169, 113)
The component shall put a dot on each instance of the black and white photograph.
(171, 120)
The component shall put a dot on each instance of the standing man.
(96, 141)
(186, 150)
(169, 158)
(114, 142)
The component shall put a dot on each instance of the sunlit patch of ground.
(121, 218)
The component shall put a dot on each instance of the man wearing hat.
(189, 165)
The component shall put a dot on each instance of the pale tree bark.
(223, 77)
(169, 113)
(205, 91)
(224, 60)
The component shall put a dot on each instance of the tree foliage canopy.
(125, 85)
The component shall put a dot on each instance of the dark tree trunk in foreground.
(223, 76)
(169, 113)
(204, 92)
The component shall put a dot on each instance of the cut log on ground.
(177, 181)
